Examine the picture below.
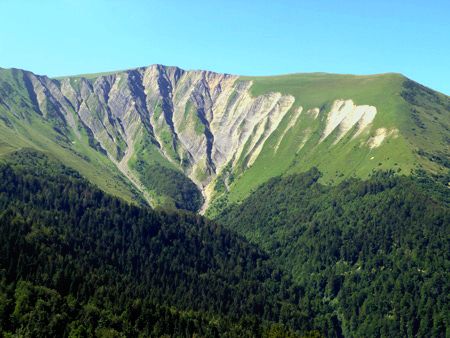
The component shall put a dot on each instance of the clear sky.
(247, 37)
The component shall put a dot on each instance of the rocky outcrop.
(344, 115)
(200, 121)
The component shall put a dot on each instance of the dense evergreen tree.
(369, 259)
(372, 256)
(75, 261)
(184, 194)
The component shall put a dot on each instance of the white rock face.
(199, 118)
(200, 121)
(344, 115)
(314, 112)
(264, 118)
(51, 101)
(380, 135)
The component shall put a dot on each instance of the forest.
(76, 262)
(365, 258)
(375, 253)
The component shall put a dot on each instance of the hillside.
(77, 262)
(185, 139)
(369, 258)
(373, 252)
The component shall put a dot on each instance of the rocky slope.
(225, 133)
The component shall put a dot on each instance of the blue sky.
(240, 37)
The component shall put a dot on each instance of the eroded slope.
(176, 135)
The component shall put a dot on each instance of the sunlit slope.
(409, 129)
(185, 138)
(23, 126)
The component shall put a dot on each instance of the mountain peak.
(224, 134)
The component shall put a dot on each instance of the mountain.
(75, 262)
(375, 253)
(202, 140)
(326, 195)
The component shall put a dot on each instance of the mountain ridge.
(109, 72)
(228, 133)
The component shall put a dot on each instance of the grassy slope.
(348, 157)
(89, 76)
(165, 183)
(22, 127)
(97, 168)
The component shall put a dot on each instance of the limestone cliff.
(214, 128)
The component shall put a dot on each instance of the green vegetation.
(395, 98)
(165, 182)
(77, 262)
(370, 258)
(375, 254)
(415, 119)
(344, 249)
(91, 76)
(191, 120)
(168, 145)
(157, 113)
(171, 183)
(22, 126)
